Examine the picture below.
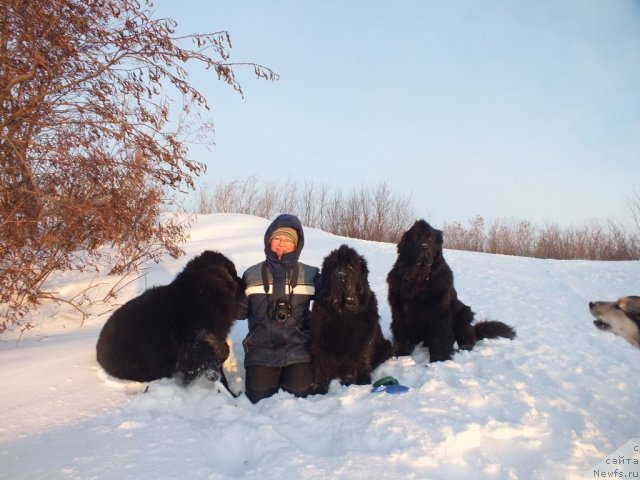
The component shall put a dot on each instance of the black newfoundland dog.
(424, 303)
(181, 327)
(346, 338)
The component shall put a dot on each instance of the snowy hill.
(551, 404)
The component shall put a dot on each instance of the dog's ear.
(402, 242)
(364, 289)
(631, 306)
(439, 237)
(231, 267)
(324, 268)
(364, 268)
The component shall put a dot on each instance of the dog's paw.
(212, 374)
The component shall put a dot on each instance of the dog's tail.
(493, 329)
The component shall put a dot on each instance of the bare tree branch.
(89, 154)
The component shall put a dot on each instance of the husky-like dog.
(621, 317)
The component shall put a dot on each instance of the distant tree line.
(365, 213)
(380, 215)
(590, 241)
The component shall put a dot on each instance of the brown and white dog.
(621, 317)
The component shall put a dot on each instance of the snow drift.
(556, 402)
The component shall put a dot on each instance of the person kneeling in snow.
(277, 305)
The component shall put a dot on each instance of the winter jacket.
(276, 342)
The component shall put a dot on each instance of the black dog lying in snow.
(180, 327)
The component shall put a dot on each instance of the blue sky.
(505, 109)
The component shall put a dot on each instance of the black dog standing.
(180, 327)
(424, 303)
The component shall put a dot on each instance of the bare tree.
(551, 242)
(312, 203)
(88, 153)
(634, 208)
(472, 238)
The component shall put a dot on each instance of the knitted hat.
(286, 232)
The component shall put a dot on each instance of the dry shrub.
(589, 241)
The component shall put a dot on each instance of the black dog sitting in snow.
(424, 303)
(346, 338)
(180, 327)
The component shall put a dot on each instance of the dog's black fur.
(424, 303)
(181, 327)
(346, 339)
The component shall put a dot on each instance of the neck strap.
(292, 280)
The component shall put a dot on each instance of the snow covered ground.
(556, 403)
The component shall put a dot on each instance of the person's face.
(281, 244)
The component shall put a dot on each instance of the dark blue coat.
(271, 342)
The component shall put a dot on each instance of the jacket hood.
(284, 220)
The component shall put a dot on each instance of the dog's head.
(420, 246)
(345, 283)
(621, 317)
(212, 270)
